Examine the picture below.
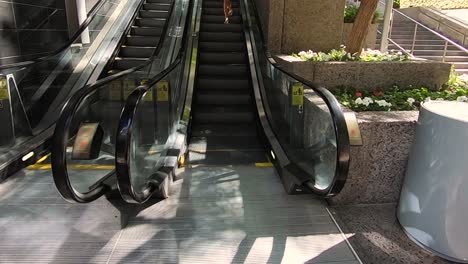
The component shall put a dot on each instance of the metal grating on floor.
(216, 215)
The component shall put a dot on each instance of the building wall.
(31, 28)
(442, 4)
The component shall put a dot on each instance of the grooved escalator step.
(220, 19)
(219, 11)
(136, 52)
(208, 27)
(159, 1)
(223, 114)
(225, 84)
(221, 36)
(223, 58)
(221, 46)
(156, 6)
(146, 31)
(203, 130)
(127, 63)
(223, 70)
(223, 97)
(227, 157)
(218, 4)
(153, 13)
(214, 142)
(150, 22)
(142, 41)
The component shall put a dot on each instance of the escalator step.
(136, 52)
(223, 97)
(223, 58)
(203, 130)
(159, 1)
(141, 41)
(221, 36)
(150, 22)
(219, 11)
(213, 142)
(223, 70)
(154, 14)
(127, 63)
(220, 19)
(156, 6)
(225, 84)
(146, 31)
(223, 115)
(218, 4)
(207, 27)
(221, 46)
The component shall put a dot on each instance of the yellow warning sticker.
(115, 90)
(128, 87)
(163, 91)
(298, 94)
(149, 94)
(3, 88)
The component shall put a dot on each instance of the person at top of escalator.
(227, 11)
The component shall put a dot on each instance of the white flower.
(428, 99)
(383, 103)
(440, 99)
(462, 99)
(359, 101)
(367, 101)
(410, 101)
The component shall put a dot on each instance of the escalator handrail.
(339, 121)
(60, 137)
(92, 14)
(124, 130)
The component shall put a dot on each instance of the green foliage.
(396, 4)
(401, 100)
(351, 11)
(342, 55)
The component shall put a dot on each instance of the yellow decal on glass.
(149, 94)
(3, 89)
(128, 87)
(298, 94)
(163, 91)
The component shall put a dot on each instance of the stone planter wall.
(377, 168)
(371, 37)
(369, 75)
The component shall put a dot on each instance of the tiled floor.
(376, 235)
(215, 215)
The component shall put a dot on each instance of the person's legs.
(227, 11)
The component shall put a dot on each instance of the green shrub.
(396, 4)
(351, 11)
(342, 55)
(401, 100)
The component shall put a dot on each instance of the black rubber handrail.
(124, 130)
(64, 123)
(339, 121)
(84, 25)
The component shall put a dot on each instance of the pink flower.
(358, 94)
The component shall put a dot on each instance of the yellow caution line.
(43, 158)
(263, 164)
(73, 167)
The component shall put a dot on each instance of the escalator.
(222, 101)
(233, 107)
(224, 115)
(123, 35)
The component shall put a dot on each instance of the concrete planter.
(371, 37)
(369, 75)
(377, 168)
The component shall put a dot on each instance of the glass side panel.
(299, 117)
(153, 124)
